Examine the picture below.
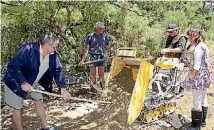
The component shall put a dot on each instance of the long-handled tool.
(72, 98)
(94, 61)
(89, 62)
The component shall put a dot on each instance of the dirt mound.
(113, 116)
(83, 115)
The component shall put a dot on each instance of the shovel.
(72, 98)
(89, 62)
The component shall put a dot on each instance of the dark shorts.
(93, 57)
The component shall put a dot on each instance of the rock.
(165, 124)
(186, 119)
(174, 121)
(155, 127)
(210, 94)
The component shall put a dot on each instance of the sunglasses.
(170, 31)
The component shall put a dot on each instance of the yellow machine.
(154, 87)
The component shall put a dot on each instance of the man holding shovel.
(34, 63)
(96, 45)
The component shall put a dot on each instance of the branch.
(19, 2)
(74, 35)
(53, 29)
(56, 12)
(119, 6)
(53, 17)
(68, 16)
(65, 38)
(83, 13)
(2, 2)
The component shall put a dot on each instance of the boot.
(204, 109)
(196, 120)
(92, 87)
(102, 84)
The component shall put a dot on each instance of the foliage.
(140, 24)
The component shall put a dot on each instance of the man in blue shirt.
(34, 64)
(96, 45)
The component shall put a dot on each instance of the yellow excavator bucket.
(139, 71)
(140, 90)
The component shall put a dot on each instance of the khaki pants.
(16, 102)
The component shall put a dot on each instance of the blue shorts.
(93, 57)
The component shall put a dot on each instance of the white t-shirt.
(44, 65)
(198, 53)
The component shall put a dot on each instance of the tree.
(140, 24)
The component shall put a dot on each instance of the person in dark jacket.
(175, 44)
(34, 64)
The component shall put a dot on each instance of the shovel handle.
(73, 98)
(94, 61)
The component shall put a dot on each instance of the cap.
(172, 27)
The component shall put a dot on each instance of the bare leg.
(17, 119)
(93, 74)
(101, 73)
(40, 110)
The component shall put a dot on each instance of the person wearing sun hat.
(175, 43)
